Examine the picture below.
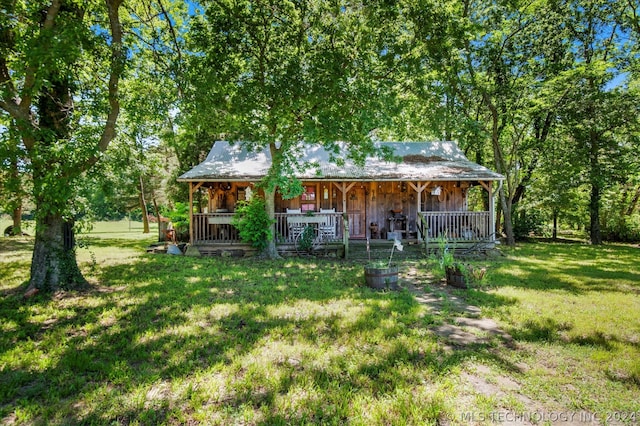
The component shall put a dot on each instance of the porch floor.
(378, 249)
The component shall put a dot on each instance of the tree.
(13, 177)
(274, 75)
(599, 118)
(54, 55)
(479, 77)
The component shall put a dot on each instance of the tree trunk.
(595, 178)
(54, 264)
(634, 202)
(506, 214)
(143, 207)
(271, 251)
(505, 201)
(555, 224)
(16, 217)
(594, 211)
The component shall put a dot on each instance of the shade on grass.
(171, 340)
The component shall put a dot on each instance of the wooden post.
(191, 213)
(492, 209)
(419, 187)
(345, 234)
(492, 213)
(344, 188)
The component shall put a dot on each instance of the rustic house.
(424, 192)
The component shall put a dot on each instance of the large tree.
(276, 74)
(506, 53)
(598, 110)
(60, 65)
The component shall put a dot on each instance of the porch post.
(345, 220)
(419, 187)
(191, 213)
(492, 213)
(344, 188)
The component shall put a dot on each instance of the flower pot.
(456, 277)
(381, 278)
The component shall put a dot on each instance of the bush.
(621, 228)
(253, 222)
(527, 222)
(179, 217)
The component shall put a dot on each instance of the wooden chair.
(295, 226)
(328, 229)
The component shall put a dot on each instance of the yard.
(176, 340)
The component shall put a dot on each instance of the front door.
(356, 210)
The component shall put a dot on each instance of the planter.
(381, 278)
(456, 277)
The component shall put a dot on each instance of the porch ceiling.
(419, 161)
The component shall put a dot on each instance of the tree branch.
(171, 30)
(117, 66)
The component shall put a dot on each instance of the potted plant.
(458, 274)
(382, 274)
(455, 272)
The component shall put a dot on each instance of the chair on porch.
(295, 226)
(328, 228)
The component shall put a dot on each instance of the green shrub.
(621, 228)
(305, 243)
(527, 222)
(179, 216)
(253, 222)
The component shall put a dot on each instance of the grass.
(175, 340)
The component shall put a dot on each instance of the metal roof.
(421, 161)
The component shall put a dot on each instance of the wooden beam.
(345, 234)
(418, 186)
(342, 187)
(191, 191)
(486, 186)
(492, 212)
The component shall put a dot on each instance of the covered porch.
(351, 212)
(430, 190)
(458, 227)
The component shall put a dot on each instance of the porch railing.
(328, 226)
(455, 226)
(216, 228)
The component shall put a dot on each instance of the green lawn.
(174, 340)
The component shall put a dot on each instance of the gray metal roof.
(421, 161)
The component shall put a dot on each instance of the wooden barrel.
(381, 278)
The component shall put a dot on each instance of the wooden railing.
(455, 226)
(216, 228)
(289, 225)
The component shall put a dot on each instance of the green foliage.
(444, 257)
(621, 228)
(179, 216)
(253, 222)
(305, 242)
(528, 221)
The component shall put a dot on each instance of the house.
(423, 192)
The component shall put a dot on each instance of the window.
(308, 199)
